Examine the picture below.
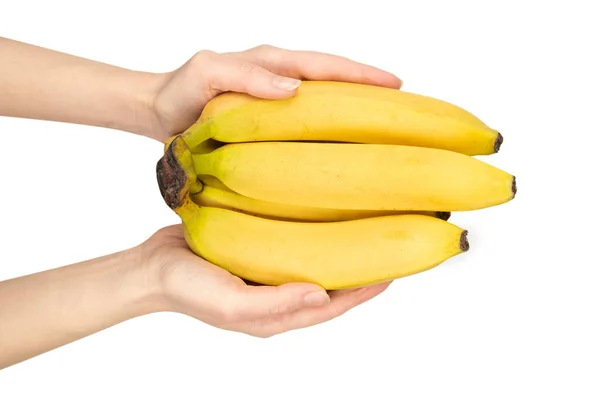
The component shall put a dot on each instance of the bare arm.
(42, 311)
(39, 83)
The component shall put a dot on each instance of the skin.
(43, 311)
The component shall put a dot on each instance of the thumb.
(264, 301)
(234, 74)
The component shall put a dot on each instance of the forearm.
(39, 83)
(46, 310)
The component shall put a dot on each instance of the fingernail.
(315, 299)
(284, 83)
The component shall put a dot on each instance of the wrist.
(142, 118)
(145, 294)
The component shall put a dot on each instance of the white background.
(514, 318)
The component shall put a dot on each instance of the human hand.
(264, 71)
(195, 287)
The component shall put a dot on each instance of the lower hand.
(192, 286)
(264, 71)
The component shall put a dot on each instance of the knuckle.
(264, 334)
(264, 48)
(280, 304)
(275, 309)
(274, 55)
(203, 56)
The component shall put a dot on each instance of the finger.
(312, 65)
(237, 74)
(261, 302)
(341, 302)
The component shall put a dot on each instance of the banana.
(211, 196)
(344, 112)
(335, 255)
(357, 176)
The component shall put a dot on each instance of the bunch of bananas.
(343, 185)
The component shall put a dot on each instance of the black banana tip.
(514, 186)
(171, 177)
(498, 142)
(464, 241)
(445, 215)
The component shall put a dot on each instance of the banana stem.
(176, 174)
(204, 164)
(197, 134)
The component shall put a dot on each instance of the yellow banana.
(344, 112)
(335, 255)
(211, 196)
(357, 176)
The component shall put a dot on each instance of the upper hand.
(192, 286)
(264, 71)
